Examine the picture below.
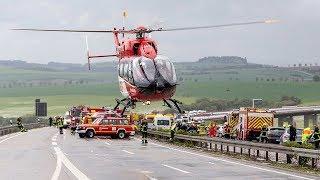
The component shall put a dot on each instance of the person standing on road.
(263, 134)
(60, 125)
(20, 125)
(213, 130)
(144, 130)
(50, 121)
(226, 130)
(293, 133)
(173, 131)
(316, 137)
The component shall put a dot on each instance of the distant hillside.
(224, 60)
(57, 66)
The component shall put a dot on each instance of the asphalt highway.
(45, 154)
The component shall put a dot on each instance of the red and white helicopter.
(143, 74)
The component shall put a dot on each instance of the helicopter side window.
(121, 69)
(130, 76)
(125, 71)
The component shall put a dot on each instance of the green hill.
(61, 88)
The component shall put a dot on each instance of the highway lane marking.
(6, 139)
(73, 169)
(211, 163)
(177, 169)
(57, 171)
(149, 177)
(232, 162)
(128, 152)
(2, 137)
(107, 143)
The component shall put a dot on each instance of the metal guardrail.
(12, 129)
(224, 145)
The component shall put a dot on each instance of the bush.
(316, 78)
(297, 145)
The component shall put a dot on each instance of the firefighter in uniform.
(226, 130)
(263, 134)
(144, 129)
(20, 125)
(50, 121)
(60, 125)
(173, 131)
(316, 137)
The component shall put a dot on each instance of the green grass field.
(219, 83)
(19, 101)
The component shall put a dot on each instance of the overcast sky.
(295, 39)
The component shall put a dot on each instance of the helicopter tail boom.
(90, 57)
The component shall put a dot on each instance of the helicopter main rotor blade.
(66, 30)
(77, 31)
(214, 26)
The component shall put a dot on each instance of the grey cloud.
(294, 39)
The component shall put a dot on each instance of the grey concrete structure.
(45, 154)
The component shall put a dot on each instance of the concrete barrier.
(12, 129)
(245, 147)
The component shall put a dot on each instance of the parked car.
(106, 126)
(274, 134)
(286, 136)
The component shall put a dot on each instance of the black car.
(274, 134)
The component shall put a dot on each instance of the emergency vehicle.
(251, 121)
(107, 126)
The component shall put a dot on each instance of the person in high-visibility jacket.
(60, 125)
(213, 130)
(173, 130)
(306, 135)
(263, 134)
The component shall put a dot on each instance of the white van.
(161, 122)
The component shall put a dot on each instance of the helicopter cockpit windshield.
(144, 71)
(147, 72)
(140, 35)
(166, 69)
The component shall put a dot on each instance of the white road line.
(74, 170)
(6, 139)
(54, 143)
(57, 171)
(211, 163)
(232, 162)
(2, 137)
(128, 152)
(175, 168)
(107, 143)
(150, 178)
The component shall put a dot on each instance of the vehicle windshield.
(277, 131)
(166, 69)
(97, 121)
(144, 71)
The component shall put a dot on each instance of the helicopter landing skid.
(126, 102)
(175, 103)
